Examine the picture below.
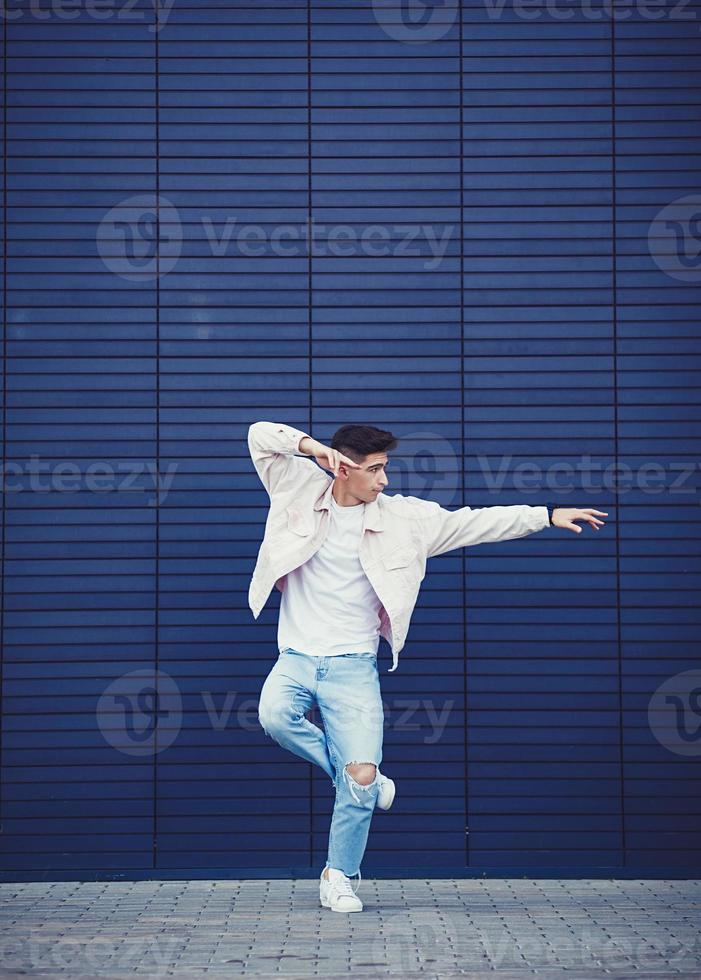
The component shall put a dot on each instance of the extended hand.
(566, 516)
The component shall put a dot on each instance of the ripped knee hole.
(362, 772)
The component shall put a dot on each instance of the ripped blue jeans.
(347, 689)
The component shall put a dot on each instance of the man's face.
(370, 480)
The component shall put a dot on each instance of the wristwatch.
(551, 509)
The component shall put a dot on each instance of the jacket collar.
(373, 512)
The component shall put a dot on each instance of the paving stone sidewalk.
(410, 928)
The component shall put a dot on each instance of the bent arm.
(273, 447)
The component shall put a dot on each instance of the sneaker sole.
(344, 911)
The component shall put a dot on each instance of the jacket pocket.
(399, 558)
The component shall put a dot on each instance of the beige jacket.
(399, 533)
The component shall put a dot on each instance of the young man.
(349, 562)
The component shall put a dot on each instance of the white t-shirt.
(328, 606)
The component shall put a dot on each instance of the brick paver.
(410, 928)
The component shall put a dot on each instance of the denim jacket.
(399, 533)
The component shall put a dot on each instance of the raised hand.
(331, 459)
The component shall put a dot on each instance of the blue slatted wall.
(658, 156)
(491, 279)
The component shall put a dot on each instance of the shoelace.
(343, 886)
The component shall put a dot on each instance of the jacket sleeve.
(273, 446)
(445, 530)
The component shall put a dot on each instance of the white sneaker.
(386, 791)
(337, 893)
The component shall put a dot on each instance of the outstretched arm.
(447, 530)
(450, 529)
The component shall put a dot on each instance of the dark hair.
(359, 441)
